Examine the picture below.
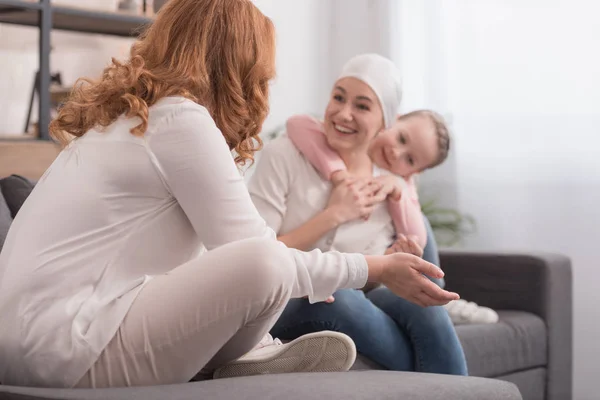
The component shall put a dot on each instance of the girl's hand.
(405, 245)
(390, 186)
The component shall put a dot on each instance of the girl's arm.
(307, 135)
(406, 214)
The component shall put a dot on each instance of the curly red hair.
(218, 53)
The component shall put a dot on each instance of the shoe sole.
(314, 352)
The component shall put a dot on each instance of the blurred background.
(518, 81)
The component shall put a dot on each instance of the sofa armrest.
(539, 283)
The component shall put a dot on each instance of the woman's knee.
(267, 265)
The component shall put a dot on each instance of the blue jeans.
(387, 329)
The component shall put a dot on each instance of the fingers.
(413, 247)
(427, 268)
(385, 189)
(361, 183)
(378, 197)
(433, 292)
(330, 299)
(407, 245)
(402, 243)
(370, 189)
(429, 301)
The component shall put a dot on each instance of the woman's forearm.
(376, 265)
(305, 236)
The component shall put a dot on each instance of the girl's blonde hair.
(441, 131)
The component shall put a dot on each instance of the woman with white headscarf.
(308, 213)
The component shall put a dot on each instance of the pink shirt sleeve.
(406, 214)
(306, 133)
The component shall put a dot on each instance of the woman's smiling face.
(353, 116)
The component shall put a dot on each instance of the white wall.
(520, 83)
(302, 50)
(300, 59)
(525, 96)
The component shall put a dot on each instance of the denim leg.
(376, 335)
(430, 330)
(431, 253)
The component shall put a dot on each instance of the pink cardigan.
(308, 136)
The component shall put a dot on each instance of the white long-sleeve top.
(288, 191)
(112, 212)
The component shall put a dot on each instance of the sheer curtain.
(421, 35)
(519, 82)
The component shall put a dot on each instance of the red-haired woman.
(103, 281)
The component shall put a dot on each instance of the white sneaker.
(464, 312)
(324, 351)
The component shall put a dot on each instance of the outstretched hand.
(403, 274)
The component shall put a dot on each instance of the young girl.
(417, 141)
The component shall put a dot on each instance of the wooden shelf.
(17, 138)
(28, 158)
(73, 19)
(46, 16)
(18, 5)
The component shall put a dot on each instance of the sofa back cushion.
(15, 189)
(5, 220)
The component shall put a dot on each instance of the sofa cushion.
(368, 385)
(516, 343)
(15, 189)
(5, 220)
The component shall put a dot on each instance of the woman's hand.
(405, 245)
(402, 273)
(354, 198)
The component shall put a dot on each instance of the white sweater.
(288, 191)
(113, 211)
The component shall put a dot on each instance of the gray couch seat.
(358, 385)
(516, 343)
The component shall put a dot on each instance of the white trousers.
(203, 314)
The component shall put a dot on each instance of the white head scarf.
(384, 79)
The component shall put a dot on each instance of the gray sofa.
(529, 352)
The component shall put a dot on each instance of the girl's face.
(353, 116)
(409, 147)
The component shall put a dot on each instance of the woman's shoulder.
(171, 105)
(181, 115)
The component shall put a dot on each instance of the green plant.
(449, 226)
